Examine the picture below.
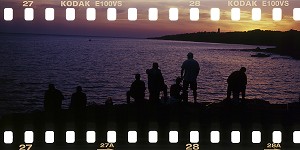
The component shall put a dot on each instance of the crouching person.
(137, 90)
(176, 91)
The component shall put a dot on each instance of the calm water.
(105, 67)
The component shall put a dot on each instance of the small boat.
(261, 55)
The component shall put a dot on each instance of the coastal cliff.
(286, 43)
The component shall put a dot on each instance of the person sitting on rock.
(176, 91)
(109, 102)
(237, 82)
(137, 90)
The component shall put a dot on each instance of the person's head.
(51, 87)
(243, 69)
(178, 80)
(155, 65)
(109, 101)
(137, 76)
(78, 88)
(190, 55)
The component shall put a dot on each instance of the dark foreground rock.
(226, 116)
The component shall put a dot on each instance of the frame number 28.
(192, 147)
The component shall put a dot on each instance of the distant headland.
(286, 42)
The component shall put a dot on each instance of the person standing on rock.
(156, 83)
(189, 72)
(53, 99)
(78, 100)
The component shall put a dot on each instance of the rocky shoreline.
(224, 117)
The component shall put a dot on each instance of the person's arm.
(45, 95)
(144, 87)
(162, 80)
(132, 87)
(229, 78)
(85, 100)
(161, 77)
(72, 101)
(61, 98)
(182, 69)
(60, 95)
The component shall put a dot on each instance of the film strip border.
(215, 14)
(132, 137)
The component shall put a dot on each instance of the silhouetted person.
(189, 72)
(237, 82)
(137, 90)
(109, 102)
(156, 83)
(175, 90)
(78, 99)
(53, 99)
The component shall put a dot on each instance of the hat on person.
(155, 65)
(243, 69)
(79, 88)
(190, 55)
(137, 76)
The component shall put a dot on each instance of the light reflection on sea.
(105, 67)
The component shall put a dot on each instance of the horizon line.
(126, 37)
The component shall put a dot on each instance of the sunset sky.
(143, 27)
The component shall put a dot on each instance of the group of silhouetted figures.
(190, 68)
(54, 97)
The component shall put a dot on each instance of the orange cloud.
(142, 27)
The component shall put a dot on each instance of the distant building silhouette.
(237, 82)
(78, 99)
(53, 99)
(137, 90)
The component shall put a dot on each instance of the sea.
(105, 67)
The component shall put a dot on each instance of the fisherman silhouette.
(175, 91)
(78, 100)
(156, 83)
(237, 82)
(137, 90)
(189, 72)
(53, 99)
